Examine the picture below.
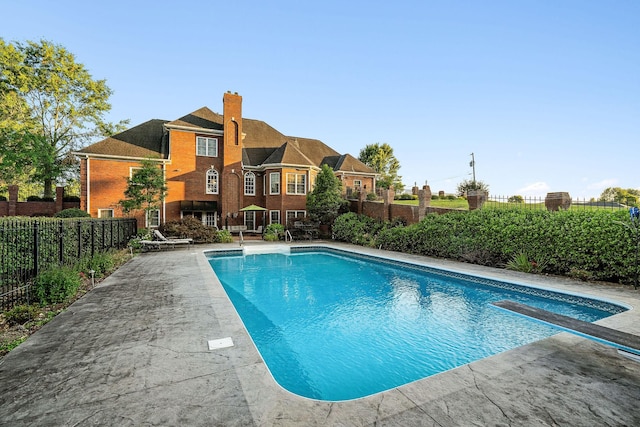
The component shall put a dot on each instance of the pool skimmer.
(220, 343)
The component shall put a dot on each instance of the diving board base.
(629, 343)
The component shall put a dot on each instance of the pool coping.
(268, 401)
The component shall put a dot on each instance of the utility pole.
(472, 163)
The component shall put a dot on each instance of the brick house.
(215, 165)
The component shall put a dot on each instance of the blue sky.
(545, 93)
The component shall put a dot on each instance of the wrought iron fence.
(28, 246)
(539, 203)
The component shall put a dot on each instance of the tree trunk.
(48, 187)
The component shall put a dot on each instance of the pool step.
(266, 249)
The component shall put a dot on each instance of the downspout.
(164, 202)
(88, 187)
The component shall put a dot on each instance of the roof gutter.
(195, 129)
(112, 157)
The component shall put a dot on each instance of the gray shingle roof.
(262, 143)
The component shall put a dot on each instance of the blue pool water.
(332, 326)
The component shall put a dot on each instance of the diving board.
(618, 339)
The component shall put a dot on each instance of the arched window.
(250, 184)
(212, 181)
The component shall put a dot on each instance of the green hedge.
(575, 243)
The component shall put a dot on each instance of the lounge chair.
(158, 235)
(162, 242)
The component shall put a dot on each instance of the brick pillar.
(424, 200)
(387, 198)
(59, 198)
(361, 197)
(13, 200)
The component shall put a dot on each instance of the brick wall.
(12, 207)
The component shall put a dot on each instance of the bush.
(71, 199)
(3, 198)
(34, 199)
(372, 197)
(405, 196)
(56, 285)
(102, 264)
(21, 314)
(191, 228)
(72, 213)
(224, 236)
(575, 243)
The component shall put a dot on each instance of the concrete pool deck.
(134, 351)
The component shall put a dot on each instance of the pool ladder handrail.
(288, 233)
(241, 237)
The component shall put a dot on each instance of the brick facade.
(241, 147)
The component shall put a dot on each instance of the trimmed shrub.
(574, 243)
(71, 199)
(72, 213)
(3, 198)
(34, 199)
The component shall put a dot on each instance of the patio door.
(250, 220)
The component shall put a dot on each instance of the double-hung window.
(274, 217)
(296, 183)
(249, 184)
(206, 146)
(274, 183)
(153, 218)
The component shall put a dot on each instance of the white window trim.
(100, 211)
(206, 146)
(252, 177)
(133, 168)
(271, 221)
(148, 214)
(271, 182)
(216, 190)
(296, 183)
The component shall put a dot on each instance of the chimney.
(232, 118)
(231, 194)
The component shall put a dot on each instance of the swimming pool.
(333, 325)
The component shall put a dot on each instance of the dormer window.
(206, 146)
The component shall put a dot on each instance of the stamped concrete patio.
(133, 352)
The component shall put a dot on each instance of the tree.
(49, 106)
(627, 196)
(325, 201)
(470, 185)
(146, 189)
(380, 158)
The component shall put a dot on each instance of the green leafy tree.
(627, 196)
(49, 106)
(146, 189)
(325, 201)
(470, 185)
(515, 199)
(380, 158)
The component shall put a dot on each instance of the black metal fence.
(546, 204)
(28, 246)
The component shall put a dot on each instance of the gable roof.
(148, 139)
(203, 118)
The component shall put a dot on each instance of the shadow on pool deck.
(134, 352)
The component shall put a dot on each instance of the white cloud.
(605, 183)
(537, 189)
